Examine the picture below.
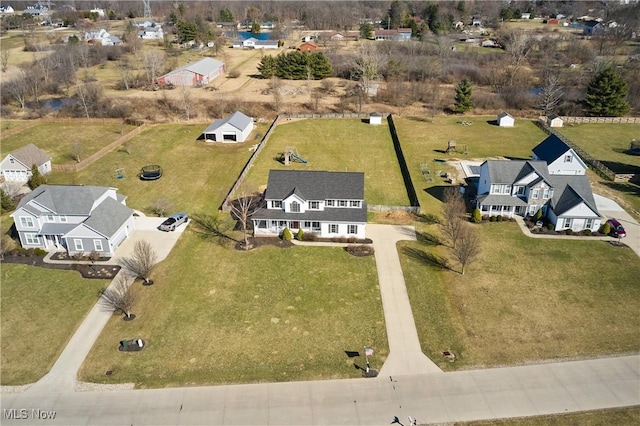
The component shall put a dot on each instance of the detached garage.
(235, 128)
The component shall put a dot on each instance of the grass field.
(10, 124)
(616, 416)
(217, 315)
(41, 309)
(57, 139)
(423, 142)
(196, 177)
(524, 300)
(337, 145)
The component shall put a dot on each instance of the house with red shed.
(308, 47)
(198, 73)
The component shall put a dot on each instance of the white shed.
(375, 118)
(554, 121)
(235, 128)
(505, 120)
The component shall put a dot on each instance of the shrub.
(477, 216)
(550, 226)
(538, 215)
(352, 240)
(569, 231)
(492, 219)
(39, 252)
(587, 232)
(499, 218)
(234, 73)
(310, 236)
(286, 234)
(300, 235)
(605, 229)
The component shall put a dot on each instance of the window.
(26, 221)
(50, 218)
(31, 239)
(342, 203)
(550, 192)
(506, 189)
(78, 245)
(314, 205)
(534, 193)
(567, 223)
(588, 224)
(11, 160)
(545, 193)
(333, 228)
(352, 229)
(282, 223)
(567, 158)
(331, 203)
(485, 208)
(520, 190)
(495, 208)
(274, 223)
(306, 224)
(262, 224)
(276, 204)
(354, 203)
(315, 226)
(97, 245)
(533, 209)
(294, 207)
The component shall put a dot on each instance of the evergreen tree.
(366, 30)
(268, 66)
(255, 28)
(36, 178)
(606, 95)
(7, 203)
(320, 66)
(292, 65)
(463, 102)
(187, 31)
(226, 15)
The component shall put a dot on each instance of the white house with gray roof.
(329, 204)
(235, 128)
(522, 188)
(78, 219)
(16, 166)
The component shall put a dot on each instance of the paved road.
(430, 398)
(405, 352)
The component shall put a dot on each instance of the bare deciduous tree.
(518, 44)
(186, 102)
(453, 208)
(18, 87)
(6, 245)
(468, 247)
(76, 151)
(140, 264)
(242, 209)
(365, 65)
(161, 206)
(118, 296)
(12, 188)
(275, 85)
(90, 96)
(4, 59)
(153, 63)
(124, 68)
(550, 94)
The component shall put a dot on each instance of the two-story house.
(554, 182)
(79, 219)
(329, 204)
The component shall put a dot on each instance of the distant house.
(337, 37)
(235, 128)
(561, 159)
(102, 37)
(505, 120)
(329, 204)
(197, 73)
(592, 28)
(6, 9)
(100, 12)
(553, 21)
(404, 34)
(525, 16)
(151, 33)
(36, 10)
(78, 219)
(401, 34)
(554, 121)
(308, 47)
(144, 24)
(254, 43)
(16, 166)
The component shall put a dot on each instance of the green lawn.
(57, 139)
(615, 416)
(10, 124)
(41, 309)
(337, 145)
(423, 141)
(216, 315)
(196, 177)
(524, 300)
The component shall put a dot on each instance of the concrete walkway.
(405, 352)
(430, 398)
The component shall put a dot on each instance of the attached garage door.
(119, 238)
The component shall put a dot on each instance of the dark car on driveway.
(174, 221)
(617, 230)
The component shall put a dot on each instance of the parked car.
(174, 221)
(617, 230)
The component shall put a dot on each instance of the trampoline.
(151, 172)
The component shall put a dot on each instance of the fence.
(104, 151)
(406, 176)
(608, 120)
(225, 203)
(381, 208)
(19, 128)
(596, 165)
(332, 115)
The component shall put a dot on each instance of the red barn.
(198, 73)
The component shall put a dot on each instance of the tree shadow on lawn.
(437, 192)
(617, 167)
(428, 259)
(630, 188)
(428, 238)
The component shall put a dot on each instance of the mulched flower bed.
(87, 271)
(360, 250)
(61, 255)
(255, 243)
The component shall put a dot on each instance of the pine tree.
(463, 102)
(36, 178)
(366, 30)
(255, 28)
(7, 203)
(268, 66)
(606, 95)
(320, 66)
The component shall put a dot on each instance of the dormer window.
(314, 205)
(276, 204)
(294, 207)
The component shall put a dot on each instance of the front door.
(295, 224)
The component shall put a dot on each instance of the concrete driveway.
(609, 209)
(147, 230)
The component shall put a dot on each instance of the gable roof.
(315, 185)
(30, 155)
(510, 171)
(63, 199)
(108, 217)
(203, 67)
(237, 120)
(569, 191)
(504, 114)
(551, 149)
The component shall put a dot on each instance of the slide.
(300, 159)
